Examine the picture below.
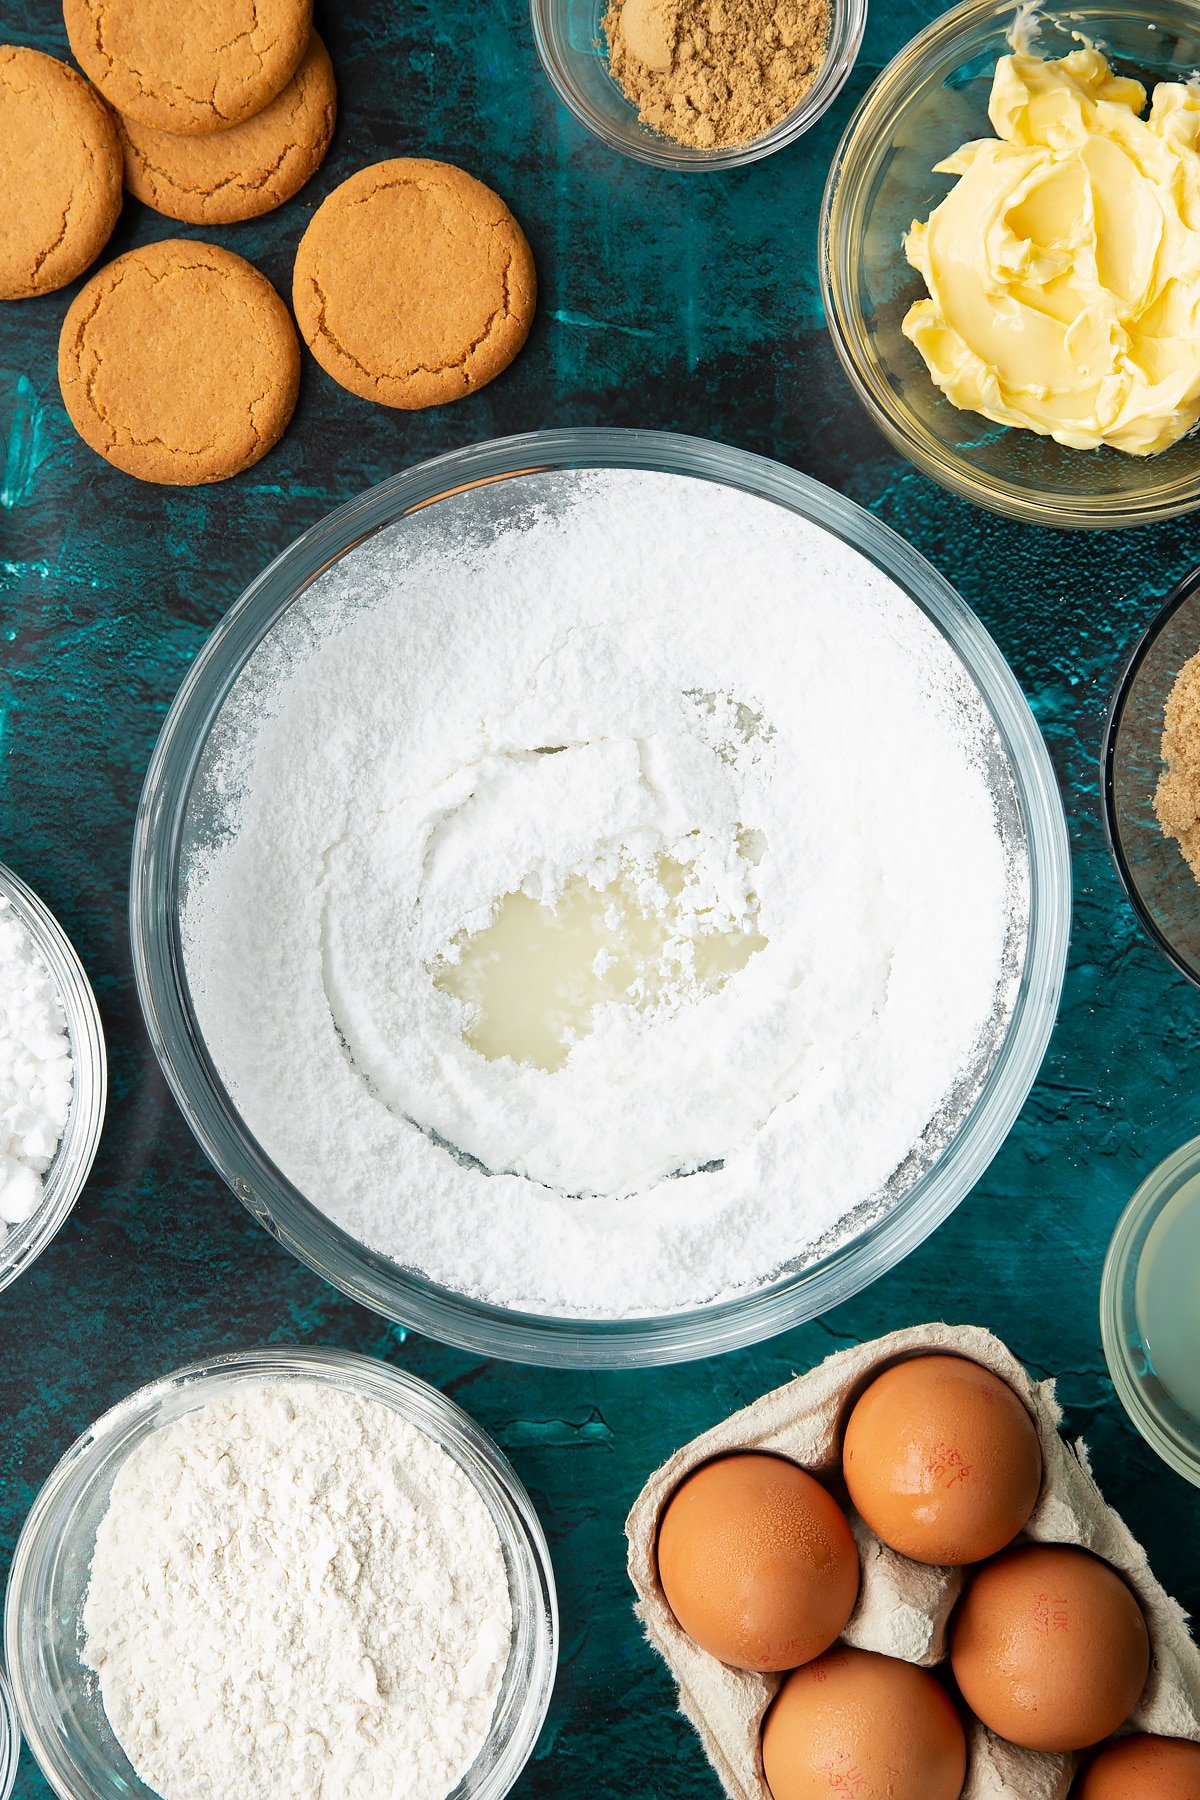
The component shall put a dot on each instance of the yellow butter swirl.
(1063, 267)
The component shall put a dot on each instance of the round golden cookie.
(179, 363)
(242, 172)
(60, 173)
(189, 65)
(413, 284)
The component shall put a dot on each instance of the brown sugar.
(714, 73)
(1177, 799)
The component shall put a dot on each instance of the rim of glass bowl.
(848, 190)
(65, 1178)
(1178, 597)
(31, 1617)
(1119, 1328)
(10, 1739)
(377, 1281)
(847, 24)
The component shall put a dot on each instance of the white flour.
(295, 1592)
(36, 1070)
(720, 682)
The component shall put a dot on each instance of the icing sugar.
(489, 699)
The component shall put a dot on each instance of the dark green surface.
(687, 303)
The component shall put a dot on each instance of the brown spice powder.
(712, 73)
(1177, 798)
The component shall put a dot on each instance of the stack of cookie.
(179, 362)
(211, 132)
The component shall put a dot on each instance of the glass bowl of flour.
(53, 1076)
(282, 1571)
(600, 898)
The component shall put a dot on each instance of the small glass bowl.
(1171, 1432)
(1161, 888)
(10, 1739)
(58, 1700)
(931, 99)
(63, 1181)
(570, 39)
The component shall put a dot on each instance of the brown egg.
(1142, 1768)
(942, 1460)
(863, 1725)
(757, 1562)
(1049, 1647)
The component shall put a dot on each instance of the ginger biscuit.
(189, 65)
(60, 173)
(413, 284)
(247, 170)
(179, 363)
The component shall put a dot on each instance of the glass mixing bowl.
(58, 1699)
(1160, 885)
(927, 102)
(64, 1179)
(918, 1199)
(570, 39)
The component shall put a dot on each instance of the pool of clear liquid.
(531, 980)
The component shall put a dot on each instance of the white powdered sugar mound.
(296, 1592)
(483, 700)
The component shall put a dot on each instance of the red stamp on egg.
(1049, 1614)
(947, 1466)
(844, 1781)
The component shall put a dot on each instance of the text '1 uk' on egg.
(757, 1561)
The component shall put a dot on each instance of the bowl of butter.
(1011, 258)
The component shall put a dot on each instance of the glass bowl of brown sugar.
(1152, 779)
(696, 85)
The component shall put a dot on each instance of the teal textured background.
(687, 303)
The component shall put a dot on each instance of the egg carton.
(904, 1608)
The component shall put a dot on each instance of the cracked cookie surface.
(179, 363)
(189, 65)
(413, 284)
(242, 172)
(60, 173)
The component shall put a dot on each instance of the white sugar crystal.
(36, 1070)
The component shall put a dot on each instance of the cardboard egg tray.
(903, 1607)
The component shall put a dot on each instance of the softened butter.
(1063, 267)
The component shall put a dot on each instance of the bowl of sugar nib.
(1151, 779)
(288, 1572)
(53, 1076)
(698, 84)
(586, 983)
